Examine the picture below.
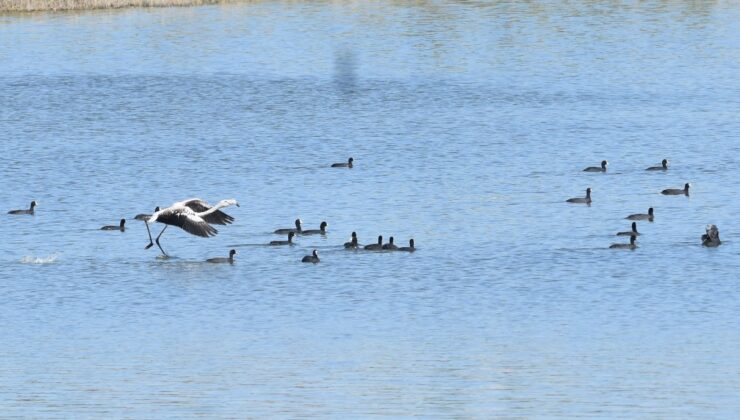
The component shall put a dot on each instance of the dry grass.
(38, 5)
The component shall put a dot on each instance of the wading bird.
(194, 216)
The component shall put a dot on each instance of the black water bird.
(642, 216)
(677, 191)
(30, 210)
(121, 226)
(630, 245)
(601, 168)
(409, 248)
(313, 258)
(390, 246)
(711, 237)
(229, 260)
(582, 200)
(347, 164)
(320, 231)
(288, 242)
(297, 229)
(352, 244)
(375, 247)
(631, 232)
(663, 166)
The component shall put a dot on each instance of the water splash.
(40, 260)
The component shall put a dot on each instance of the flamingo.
(194, 216)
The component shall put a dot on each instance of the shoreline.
(69, 5)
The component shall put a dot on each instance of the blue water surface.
(470, 124)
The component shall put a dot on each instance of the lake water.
(470, 124)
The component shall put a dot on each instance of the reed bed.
(39, 5)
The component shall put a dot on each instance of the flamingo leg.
(157, 240)
(151, 243)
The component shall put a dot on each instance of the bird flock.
(197, 218)
(709, 239)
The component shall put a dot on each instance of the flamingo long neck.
(153, 217)
(221, 204)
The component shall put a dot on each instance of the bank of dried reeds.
(38, 5)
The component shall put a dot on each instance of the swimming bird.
(313, 258)
(353, 242)
(120, 227)
(677, 191)
(183, 215)
(375, 247)
(347, 164)
(711, 238)
(586, 200)
(296, 230)
(390, 246)
(229, 260)
(27, 211)
(630, 233)
(320, 231)
(630, 245)
(642, 216)
(601, 168)
(663, 166)
(409, 248)
(288, 242)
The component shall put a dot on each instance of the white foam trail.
(40, 260)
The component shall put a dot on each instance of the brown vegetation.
(37, 5)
